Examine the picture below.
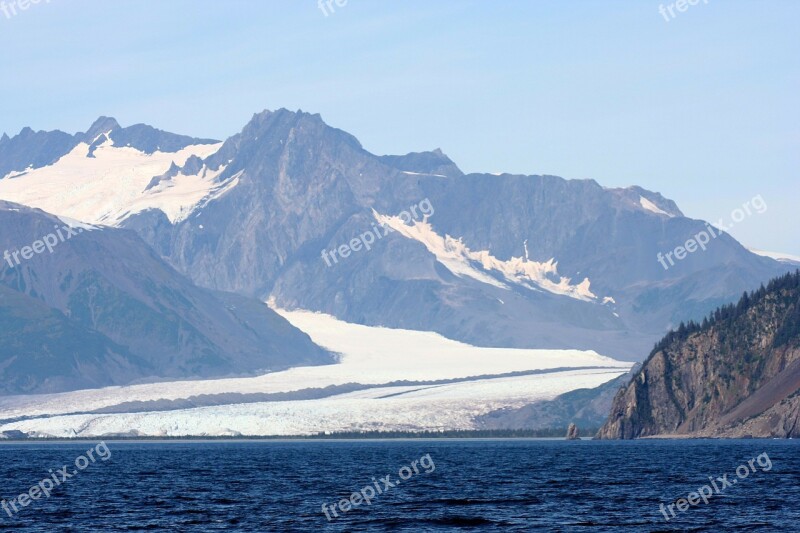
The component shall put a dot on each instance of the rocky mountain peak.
(100, 126)
(283, 126)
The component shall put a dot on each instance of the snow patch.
(72, 223)
(181, 195)
(422, 174)
(461, 261)
(653, 208)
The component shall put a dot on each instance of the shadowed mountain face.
(735, 375)
(42, 350)
(479, 272)
(102, 308)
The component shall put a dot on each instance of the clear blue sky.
(703, 109)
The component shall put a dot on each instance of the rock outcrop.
(573, 433)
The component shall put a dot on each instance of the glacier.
(409, 380)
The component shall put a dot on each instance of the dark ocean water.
(498, 485)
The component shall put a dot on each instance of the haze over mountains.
(508, 260)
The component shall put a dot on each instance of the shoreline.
(289, 439)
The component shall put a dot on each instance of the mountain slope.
(102, 308)
(41, 350)
(738, 373)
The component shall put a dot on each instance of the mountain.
(87, 306)
(491, 260)
(736, 374)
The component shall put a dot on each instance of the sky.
(701, 106)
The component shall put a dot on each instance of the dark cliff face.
(736, 374)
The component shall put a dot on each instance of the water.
(498, 485)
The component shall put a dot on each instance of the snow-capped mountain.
(95, 306)
(498, 261)
(31, 150)
(106, 174)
